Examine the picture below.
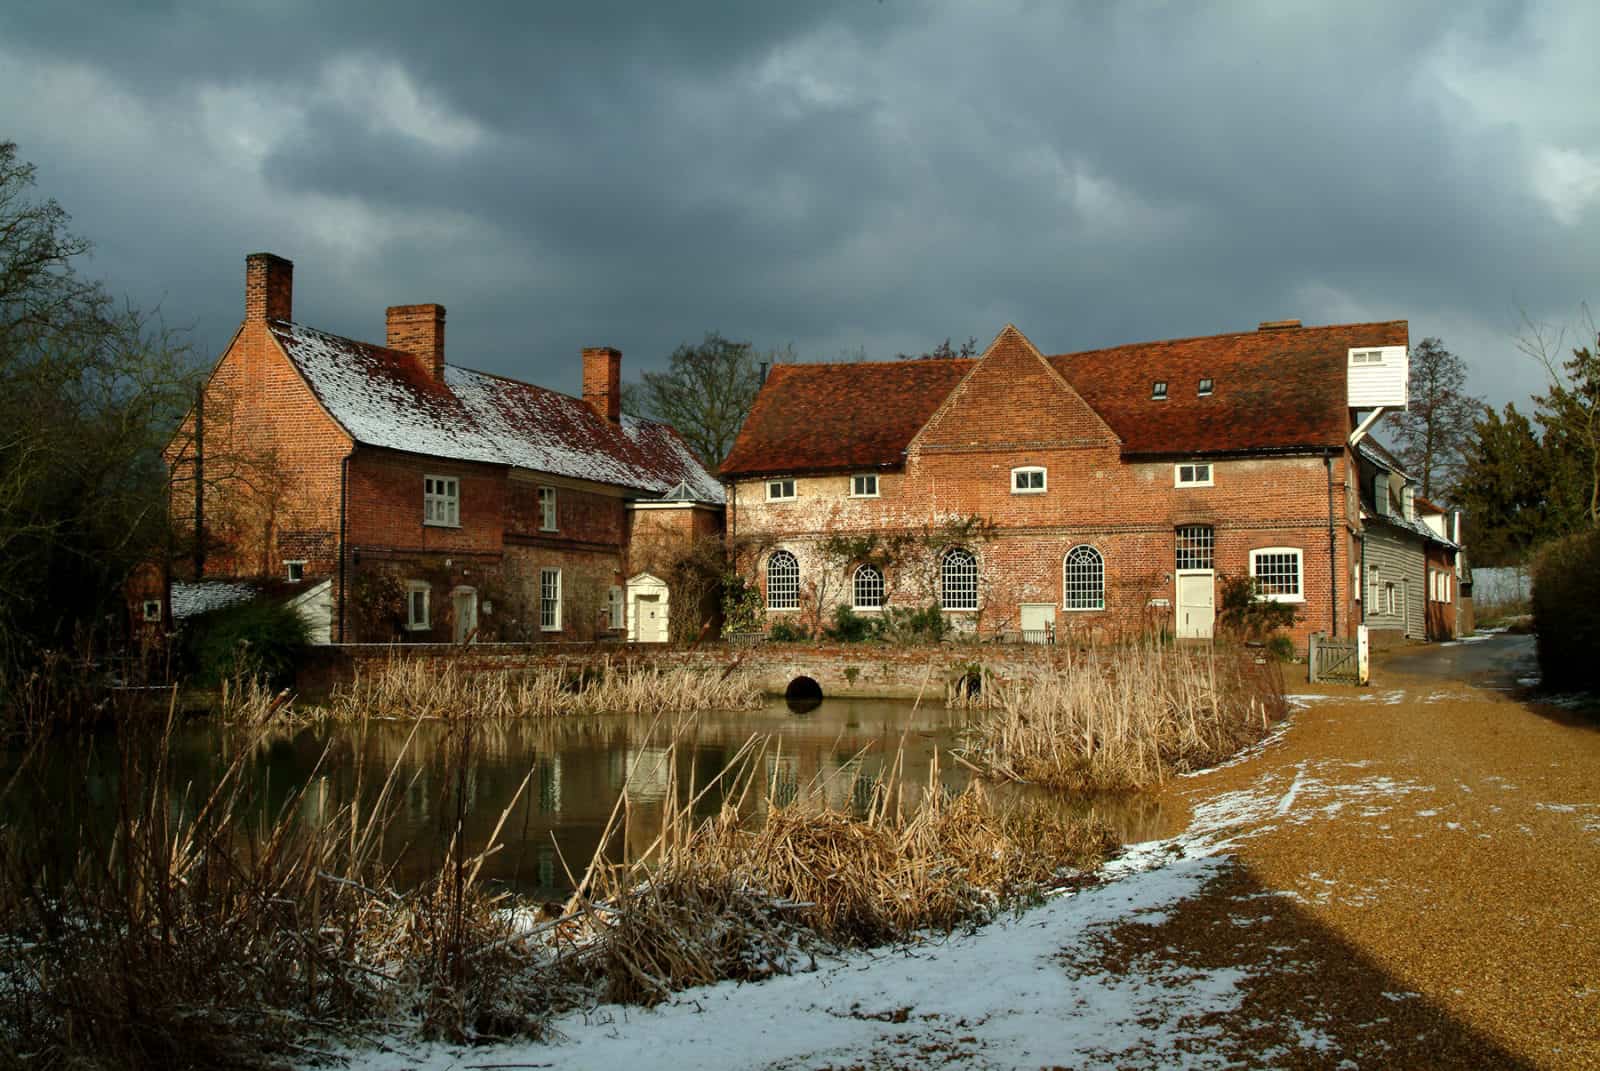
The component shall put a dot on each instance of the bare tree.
(1569, 413)
(1430, 435)
(705, 393)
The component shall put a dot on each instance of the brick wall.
(1128, 511)
(272, 464)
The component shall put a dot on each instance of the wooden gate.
(1343, 661)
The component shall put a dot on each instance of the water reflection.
(579, 770)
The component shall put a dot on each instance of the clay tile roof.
(820, 417)
(383, 398)
(1272, 390)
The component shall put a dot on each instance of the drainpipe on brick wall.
(1333, 551)
(344, 498)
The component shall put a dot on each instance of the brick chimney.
(419, 331)
(268, 287)
(602, 381)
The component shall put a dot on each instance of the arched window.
(783, 581)
(868, 587)
(1083, 580)
(958, 580)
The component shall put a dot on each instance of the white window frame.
(425, 589)
(615, 609)
(1206, 387)
(549, 606)
(793, 489)
(1299, 569)
(791, 599)
(944, 581)
(294, 569)
(1371, 355)
(1158, 390)
(1194, 468)
(1067, 578)
(151, 610)
(862, 480)
(441, 501)
(855, 588)
(1201, 543)
(1030, 470)
(547, 509)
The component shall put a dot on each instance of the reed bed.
(412, 689)
(1121, 718)
(736, 897)
(190, 931)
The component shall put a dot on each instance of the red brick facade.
(285, 482)
(1014, 410)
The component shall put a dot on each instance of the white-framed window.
(1205, 387)
(1196, 547)
(958, 580)
(866, 587)
(783, 581)
(614, 608)
(1083, 579)
(295, 570)
(151, 609)
(1158, 390)
(1366, 356)
(780, 490)
(1391, 598)
(1028, 480)
(550, 600)
(547, 509)
(418, 595)
(1192, 474)
(864, 485)
(1277, 574)
(441, 501)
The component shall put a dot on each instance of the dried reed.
(1122, 717)
(414, 689)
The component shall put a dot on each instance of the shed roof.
(384, 398)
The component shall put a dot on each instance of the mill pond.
(577, 770)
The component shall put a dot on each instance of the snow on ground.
(999, 997)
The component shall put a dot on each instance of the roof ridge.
(898, 362)
(1289, 333)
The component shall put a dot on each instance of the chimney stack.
(602, 381)
(419, 331)
(268, 287)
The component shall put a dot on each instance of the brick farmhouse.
(426, 501)
(1097, 493)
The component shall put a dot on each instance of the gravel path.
(1415, 878)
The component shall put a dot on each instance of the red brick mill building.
(1093, 493)
(419, 500)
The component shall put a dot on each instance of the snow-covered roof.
(190, 598)
(384, 398)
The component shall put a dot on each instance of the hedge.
(1566, 612)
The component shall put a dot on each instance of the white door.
(1196, 605)
(1038, 622)
(465, 602)
(652, 621)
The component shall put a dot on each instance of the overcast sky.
(845, 176)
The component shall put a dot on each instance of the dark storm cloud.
(842, 175)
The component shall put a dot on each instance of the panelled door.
(1197, 609)
(652, 622)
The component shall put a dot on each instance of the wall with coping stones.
(866, 671)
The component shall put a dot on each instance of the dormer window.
(1028, 480)
(1204, 389)
(780, 490)
(1158, 390)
